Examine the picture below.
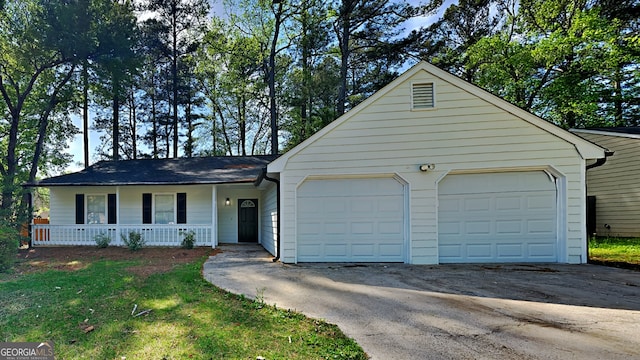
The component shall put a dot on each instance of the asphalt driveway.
(397, 311)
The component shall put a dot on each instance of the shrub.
(102, 240)
(134, 241)
(9, 239)
(189, 239)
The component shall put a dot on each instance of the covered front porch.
(86, 235)
(213, 199)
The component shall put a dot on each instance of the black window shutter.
(146, 208)
(182, 208)
(79, 208)
(111, 209)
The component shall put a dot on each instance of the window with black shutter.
(146, 208)
(182, 208)
(111, 209)
(79, 208)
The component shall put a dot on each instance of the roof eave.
(246, 181)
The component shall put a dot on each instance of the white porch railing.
(153, 235)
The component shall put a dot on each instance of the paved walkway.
(397, 311)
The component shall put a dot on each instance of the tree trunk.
(272, 81)
(116, 118)
(243, 124)
(134, 125)
(43, 123)
(344, 37)
(174, 75)
(85, 111)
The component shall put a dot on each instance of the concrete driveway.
(397, 311)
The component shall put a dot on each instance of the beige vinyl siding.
(228, 215)
(62, 201)
(199, 208)
(269, 218)
(462, 132)
(616, 186)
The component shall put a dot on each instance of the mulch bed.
(152, 260)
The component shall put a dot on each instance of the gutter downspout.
(601, 161)
(277, 182)
(598, 163)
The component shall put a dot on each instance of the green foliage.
(9, 240)
(102, 240)
(615, 250)
(188, 240)
(134, 241)
(573, 63)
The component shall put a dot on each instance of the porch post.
(214, 216)
(117, 234)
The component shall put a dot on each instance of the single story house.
(613, 189)
(162, 199)
(430, 169)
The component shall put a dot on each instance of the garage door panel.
(479, 222)
(477, 204)
(508, 203)
(478, 227)
(359, 220)
(509, 250)
(509, 227)
(361, 228)
(479, 251)
(390, 228)
(540, 250)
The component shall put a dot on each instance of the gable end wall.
(462, 133)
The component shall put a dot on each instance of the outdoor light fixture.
(227, 202)
(427, 167)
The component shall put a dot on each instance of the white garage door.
(497, 217)
(350, 220)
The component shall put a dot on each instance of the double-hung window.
(96, 209)
(164, 211)
(164, 208)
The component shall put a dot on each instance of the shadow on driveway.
(492, 311)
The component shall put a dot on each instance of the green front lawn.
(87, 313)
(615, 250)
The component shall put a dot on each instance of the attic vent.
(423, 96)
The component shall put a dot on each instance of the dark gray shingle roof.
(201, 170)
(622, 130)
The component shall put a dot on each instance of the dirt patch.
(73, 258)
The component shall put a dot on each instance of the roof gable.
(585, 148)
(199, 170)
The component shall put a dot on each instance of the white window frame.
(175, 207)
(86, 209)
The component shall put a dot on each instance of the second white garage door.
(497, 217)
(350, 220)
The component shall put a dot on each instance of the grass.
(189, 318)
(615, 250)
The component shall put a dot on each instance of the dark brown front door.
(248, 220)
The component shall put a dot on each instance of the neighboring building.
(430, 169)
(614, 188)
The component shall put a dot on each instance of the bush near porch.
(83, 300)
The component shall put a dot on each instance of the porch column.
(117, 234)
(214, 216)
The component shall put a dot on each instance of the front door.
(248, 220)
